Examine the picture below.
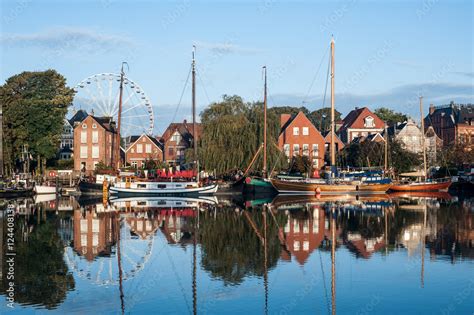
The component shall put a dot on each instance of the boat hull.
(211, 189)
(91, 188)
(293, 187)
(257, 185)
(40, 189)
(422, 186)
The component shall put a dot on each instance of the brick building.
(94, 140)
(452, 123)
(298, 136)
(143, 148)
(304, 232)
(176, 139)
(360, 122)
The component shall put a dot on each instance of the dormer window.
(369, 122)
(176, 137)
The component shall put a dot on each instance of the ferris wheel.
(99, 96)
(103, 271)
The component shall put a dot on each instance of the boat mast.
(332, 147)
(117, 150)
(423, 137)
(194, 105)
(265, 124)
(386, 149)
(333, 260)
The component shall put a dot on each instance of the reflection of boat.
(44, 197)
(421, 194)
(288, 200)
(162, 202)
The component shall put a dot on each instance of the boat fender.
(318, 190)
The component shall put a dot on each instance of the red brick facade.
(176, 139)
(144, 148)
(94, 140)
(298, 136)
(360, 122)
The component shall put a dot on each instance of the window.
(94, 126)
(315, 149)
(95, 152)
(176, 137)
(133, 150)
(83, 152)
(134, 164)
(170, 151)
(286, 149)
(315, 163)
(296, 131)
(305, 131)
(305, 149)
(148, 148)
(83, 136)
(139, 148)
(84, 126)
(95, 137)
(296, 149)
(95, 164)
(369, 122)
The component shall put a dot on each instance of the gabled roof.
(354, 114)
(185, 129)
(79, 116)
(106, 122)
(293, 117)
(134, 139)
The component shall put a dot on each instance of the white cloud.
(69, 38)
(226, 48)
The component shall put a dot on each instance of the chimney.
(356, 108)
(284, 119)
(432, 109)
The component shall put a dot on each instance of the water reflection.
(92, 245)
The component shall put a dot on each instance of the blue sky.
(387, 52)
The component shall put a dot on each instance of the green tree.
(390, 116)
(232, 132)
(368, 152)
(34, 107)
(321, 118)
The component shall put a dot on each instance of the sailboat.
(128, 185)
(332, 185)
(425, 185)
(255, 184)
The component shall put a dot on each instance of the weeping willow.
(232, 132)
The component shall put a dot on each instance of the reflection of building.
(304, 233)
(364, 247)
(94, 233)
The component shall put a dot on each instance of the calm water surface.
(287, 255)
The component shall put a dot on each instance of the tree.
(34, 107)
(368, 152)
(321, 118)
(300, 164)
(390, 116)
(232, 132)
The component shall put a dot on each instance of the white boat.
(42, 189)
(161, 188)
